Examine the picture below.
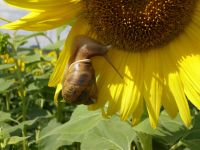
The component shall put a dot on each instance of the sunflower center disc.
(138, 24)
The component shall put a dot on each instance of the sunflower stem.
(8, 101)
(59, 114)
(50, 40)
(37, 41)
(21, 92)
(176, 146)
(25, 145)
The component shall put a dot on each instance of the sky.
(10, 13)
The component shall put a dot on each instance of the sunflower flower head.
(139, 25)
(155, 46)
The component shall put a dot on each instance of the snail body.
(79, 83)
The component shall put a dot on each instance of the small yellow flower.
(38, 51)
(156, 48)
(7, 59)
(53, 55)
(21, 65)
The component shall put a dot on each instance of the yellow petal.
(190, 75)
(153, 85)
(169, 102)
(136, 115)
(39, 21)
(177, 90)
(133, 80)
(106, 75)
(187, 55)
(175, 84)
(58, 89)
(38, 5)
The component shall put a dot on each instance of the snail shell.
(79, 83)
(79, 86)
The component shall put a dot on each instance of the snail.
(79, 82)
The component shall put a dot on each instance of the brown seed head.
(138, 24)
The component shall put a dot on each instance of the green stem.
(57, 53)
(50, 40)
(37, 41)
(21, 91)
(8, 21)
(37, 136)
(25, 145)
(8, 101)
(2, 147)
(21, 83)
(2, 144)
(59, 114)
(176, 146)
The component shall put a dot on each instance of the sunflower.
(155, 46)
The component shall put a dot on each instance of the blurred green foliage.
(26, 101)
(30, 120)
(4, 43)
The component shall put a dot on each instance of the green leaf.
(32, 58)
(52, 142)
(6, 66)
(72, 22)
(5, 84)
(54, 46)
(192, 138)
(4, 116)
(22, 39)
(145, 140)
(21, 53)
(43, 76)
(21, 125)
(4, 135)
(36, 111)
(93, 131)
(60, 30)
(192, 144)
(16, 139)
(81, 122)
(32, 87)
(109, 134)
(48, 58)
(168, 131)
(145, 127)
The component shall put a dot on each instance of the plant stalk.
(21, 93)
(8, 101)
